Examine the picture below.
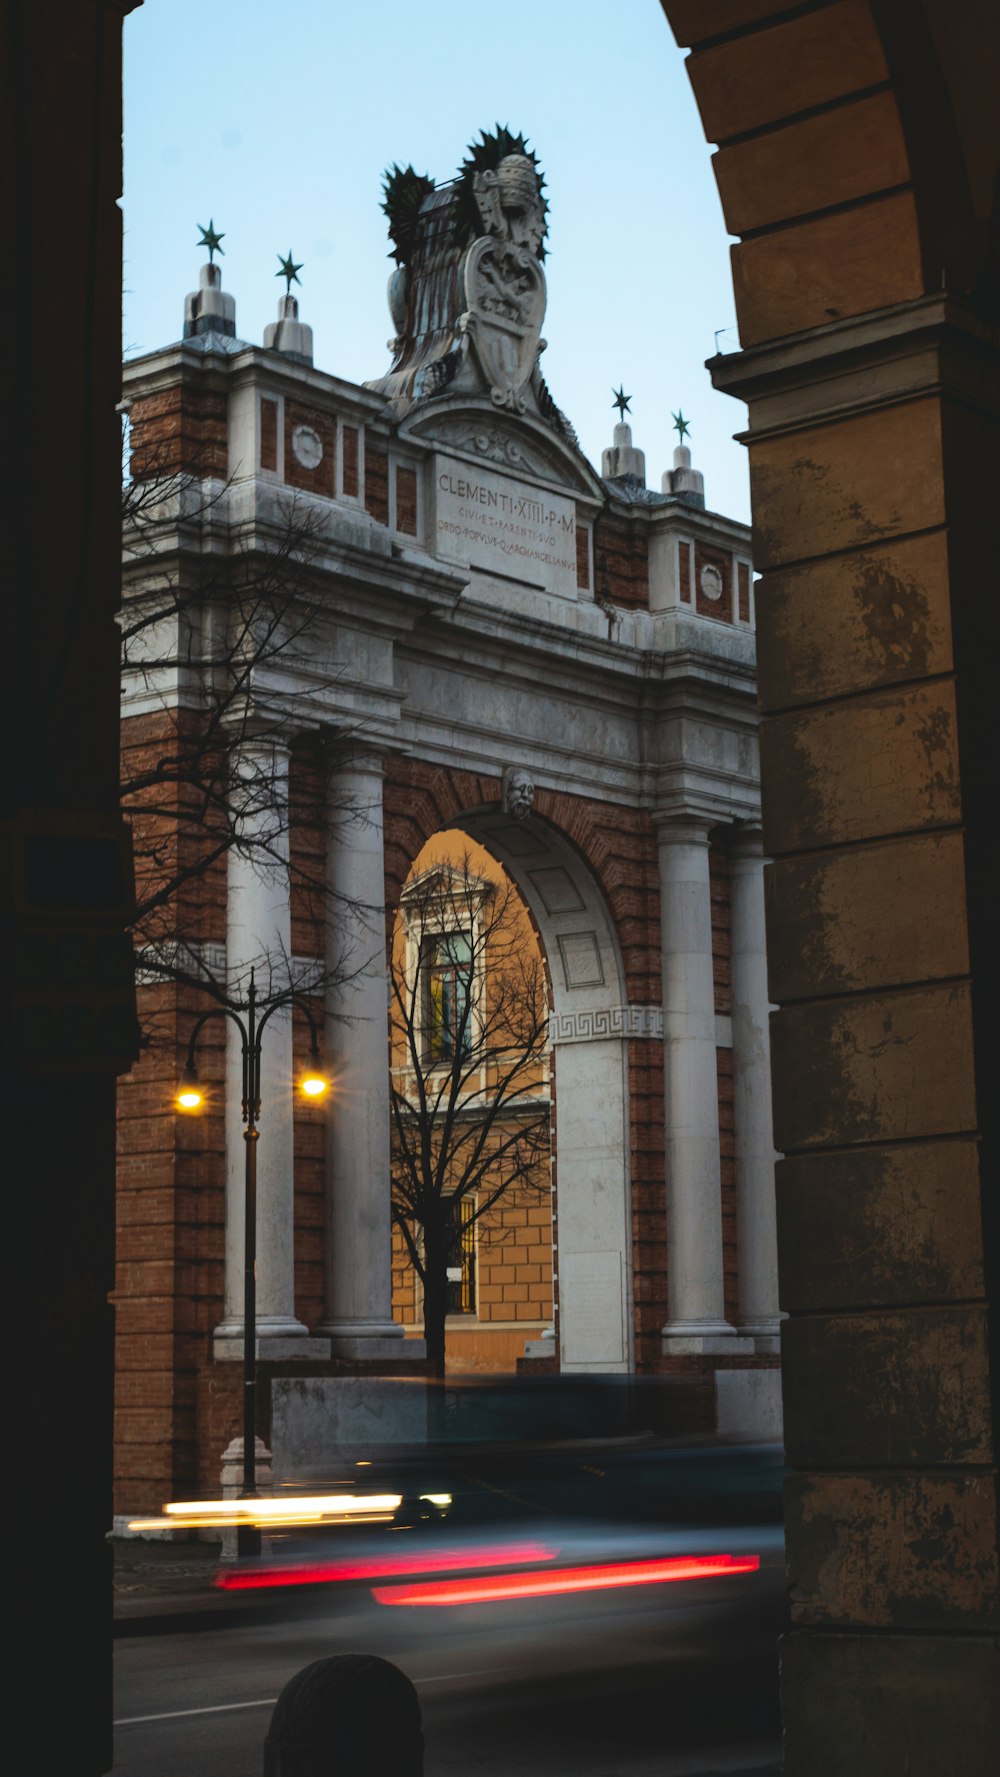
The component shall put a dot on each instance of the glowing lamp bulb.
(190, 1096)
(314, 1081)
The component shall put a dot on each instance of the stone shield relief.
(505, 294)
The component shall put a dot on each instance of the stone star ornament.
(289, 271)
(622, 401)
(681, 426)
(211, 239)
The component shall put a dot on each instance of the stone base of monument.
(748, 1404)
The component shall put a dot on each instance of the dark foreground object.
(344, 1715)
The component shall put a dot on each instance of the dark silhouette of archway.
(857, 161)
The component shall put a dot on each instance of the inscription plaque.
(498, 525)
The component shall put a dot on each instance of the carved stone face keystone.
(518, 792)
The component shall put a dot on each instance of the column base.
(766, 1335)
(703, 1338)
(372, 1339)
(279, 1337)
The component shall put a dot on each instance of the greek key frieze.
(596, 1024)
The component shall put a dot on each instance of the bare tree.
(219, 628)
(469, 1088)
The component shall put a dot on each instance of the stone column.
(258, 934)
(755, 1212)
(358, 1240)
(697, 1320)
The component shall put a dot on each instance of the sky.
(277, 121)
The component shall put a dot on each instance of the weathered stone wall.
(873, 417)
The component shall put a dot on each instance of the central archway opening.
(538, 1262)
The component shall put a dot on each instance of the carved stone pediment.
(520, 448)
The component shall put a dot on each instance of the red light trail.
(491, 1588)
(370, 1567)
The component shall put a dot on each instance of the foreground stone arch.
(856, 162)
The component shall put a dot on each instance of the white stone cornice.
(209, 961)
(848, 367)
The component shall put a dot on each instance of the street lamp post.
(190, 1098)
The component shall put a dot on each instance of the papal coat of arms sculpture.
(468, 294)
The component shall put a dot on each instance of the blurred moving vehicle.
(516, 1536)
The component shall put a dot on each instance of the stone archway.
(590, 1025)
(857, 163)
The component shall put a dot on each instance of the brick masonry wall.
(177, 1409)
(621, 561)
(320, 479)
(377, 484)
(406, 501)
(170, 1253)
(183, 427)
(721, 608)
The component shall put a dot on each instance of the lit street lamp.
(190, 1098)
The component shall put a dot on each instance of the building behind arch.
(559, 663)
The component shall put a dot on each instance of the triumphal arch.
(558, 662)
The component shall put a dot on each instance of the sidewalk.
(168, 1578)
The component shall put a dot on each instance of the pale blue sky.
(277, 121)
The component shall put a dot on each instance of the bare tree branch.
(220, 628)
(469, 1080)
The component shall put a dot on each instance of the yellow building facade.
(500, 1270)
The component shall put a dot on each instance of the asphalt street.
(632, 1688)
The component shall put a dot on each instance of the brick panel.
(685, 573)
(319, 480)
(350, 470)
(719, 892)
(268, 433)
(182, 428)
(621, 561)
(583, 556)
(406, 501)
(720, 608)
(377, 484)
(743, 592)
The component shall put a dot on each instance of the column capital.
(746, 842)
(261, 724)
(251, 742)
(362, 757)
(684, 827)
